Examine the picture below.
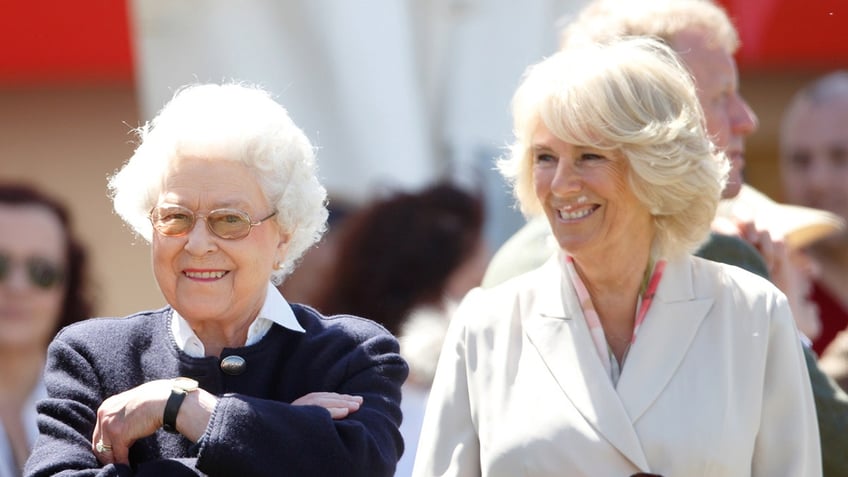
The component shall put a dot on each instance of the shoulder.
(738, 293)
(718, 274)
(354, 327)
(108, 329)
(515, 298)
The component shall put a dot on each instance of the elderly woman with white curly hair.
(228, 378)
(624, 354)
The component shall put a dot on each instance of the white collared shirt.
(275, 310)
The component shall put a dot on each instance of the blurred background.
(393, 93)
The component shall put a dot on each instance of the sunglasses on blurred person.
(41, 272)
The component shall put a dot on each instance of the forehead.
(203, 182)
(818, 123)
(30, 230)
(710, 64)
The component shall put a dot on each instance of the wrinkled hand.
(339, 405)
(126, 417)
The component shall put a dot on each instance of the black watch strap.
(172, 407)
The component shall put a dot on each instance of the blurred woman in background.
(42, 288)
(405, 260)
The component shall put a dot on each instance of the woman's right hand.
(126, 417)
(339, 405)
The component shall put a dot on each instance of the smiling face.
(729, 119)
(207, 279)
(587, 199)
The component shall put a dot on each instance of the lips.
(205, 275)
(572, 213)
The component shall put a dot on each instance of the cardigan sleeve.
(259, 437)
(66, 421)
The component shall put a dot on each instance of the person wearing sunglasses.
(228, 378)
(43, 287)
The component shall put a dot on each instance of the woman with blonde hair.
(623, 354)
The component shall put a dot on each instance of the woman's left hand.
(339, 405)
(126, 417)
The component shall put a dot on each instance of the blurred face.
(729, 119)
(32, 241)
(209, 280)
(814, 156)
(587, 199)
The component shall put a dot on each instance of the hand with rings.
(102, 448)
(126, 417)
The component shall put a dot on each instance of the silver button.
(233, 365)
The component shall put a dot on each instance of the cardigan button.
(233, 365)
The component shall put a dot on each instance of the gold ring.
(102, 448)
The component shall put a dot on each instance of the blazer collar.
(555, 326)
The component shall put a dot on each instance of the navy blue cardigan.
(254, 431)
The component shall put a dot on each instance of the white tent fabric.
(393, 92)
(387, 89)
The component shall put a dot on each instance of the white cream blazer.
(715, 384)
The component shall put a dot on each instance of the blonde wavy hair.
(634, 97)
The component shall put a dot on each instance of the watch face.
(186, 384)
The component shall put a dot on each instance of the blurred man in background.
(814, 170)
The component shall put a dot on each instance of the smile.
(576, 214)
(205, 275)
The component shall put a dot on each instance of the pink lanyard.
(594, 322)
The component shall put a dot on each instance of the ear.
(282, 246)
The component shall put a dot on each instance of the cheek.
(542, 178)
(47, 310)
(161, 257)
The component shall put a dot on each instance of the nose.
(199, 240)
(818, 174)
(566, 179)
(745, 121)
(16, 278)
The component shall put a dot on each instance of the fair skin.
(28, 314)
(217, 285)
(729, 119)
(595, 217)
(729, 122)
(814, 170)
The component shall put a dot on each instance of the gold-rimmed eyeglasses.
(228, 224)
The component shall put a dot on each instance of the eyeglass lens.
(41, 272)
(227, 224)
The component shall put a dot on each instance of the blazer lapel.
(663, 340)
(555, 326)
